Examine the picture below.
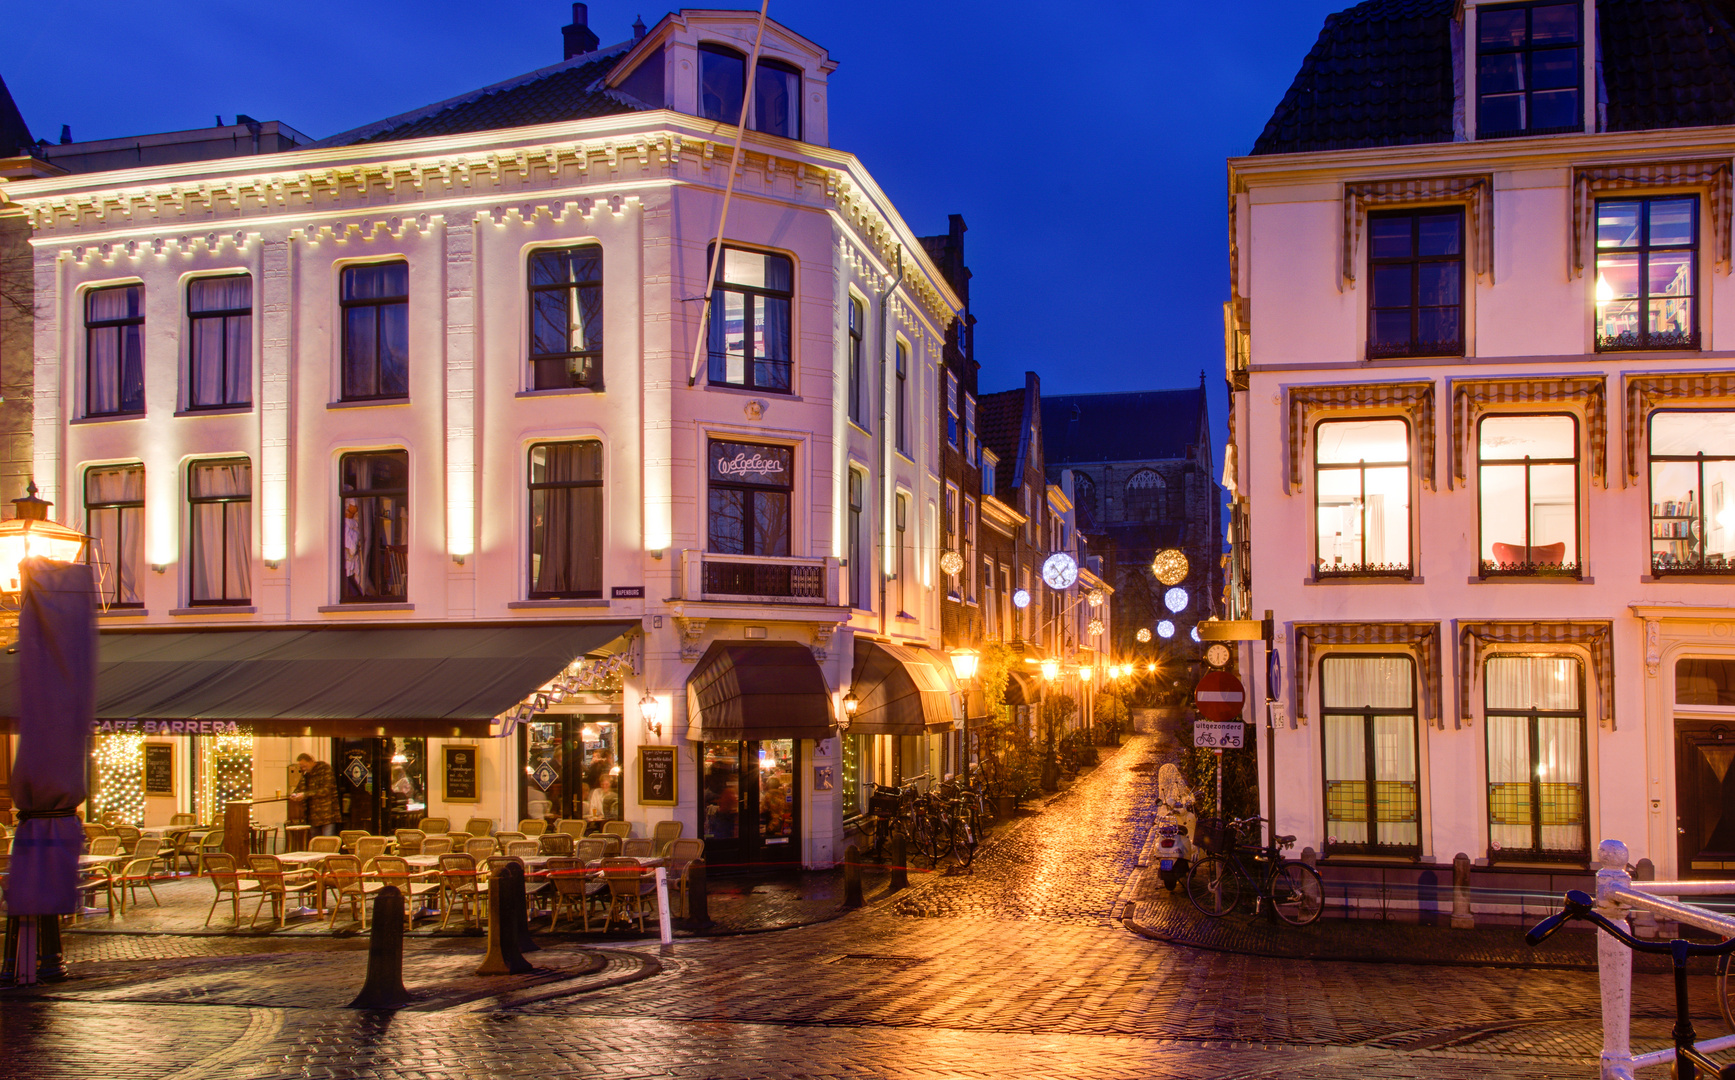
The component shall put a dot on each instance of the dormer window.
(1528, 69)
(776, 97)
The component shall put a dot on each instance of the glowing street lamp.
(1050, 670)
(964, 663)
(31, 534)
(648, 710)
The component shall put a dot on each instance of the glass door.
(750, 803)
(406, 796)
(572, 769)
(362, 782)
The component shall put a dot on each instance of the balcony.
(752, 579)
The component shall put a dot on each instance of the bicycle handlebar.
(1578, 906)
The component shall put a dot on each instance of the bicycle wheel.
(1297, 894)
(1214, 886)
(963, 840)
(940, 827)
(1723, 1003)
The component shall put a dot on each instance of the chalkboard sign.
(657, 776)
(160, 769)
(460, 772)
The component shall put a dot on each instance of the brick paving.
(1018, 968)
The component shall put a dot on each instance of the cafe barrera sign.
(166, 727)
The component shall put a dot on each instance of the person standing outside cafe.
(318, 792)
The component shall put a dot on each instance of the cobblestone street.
(1016, 969)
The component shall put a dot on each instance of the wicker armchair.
(409, 841)
(555, 843)
(630, 890)
(278, 885)
(343, 877)
(532, 826)
(574, 889)
(226, 876)
(664, 833)
(415, 887)
(463, 889)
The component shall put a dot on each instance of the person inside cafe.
(317, 792)
(604, 803)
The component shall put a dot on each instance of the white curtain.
(1370, 682)
(119, 531)
(1346, 780)
(1544, 768)
(222, 530)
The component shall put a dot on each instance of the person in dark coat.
(318, 792)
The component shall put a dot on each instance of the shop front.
(572, 768)
(755, 710)
(907, 710)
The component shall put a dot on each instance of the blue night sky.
(1083, 143)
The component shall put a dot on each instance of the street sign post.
(1219, 736)
(1220, 696)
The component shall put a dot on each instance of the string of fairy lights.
(120, 775)
(228, 773)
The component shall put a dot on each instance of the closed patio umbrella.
(57, 702)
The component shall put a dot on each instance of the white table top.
(304, 858)
(86, 862)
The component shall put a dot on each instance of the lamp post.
(964, 664)
(30, 533)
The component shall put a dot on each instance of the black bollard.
(900, 863)
(384, 988)
(50, 956)
(698, 904)
(10, 962)
(503, 916)
(852, 896)
(521, 904)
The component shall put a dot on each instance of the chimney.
(638, 28)
(577, 38)
(65, 134)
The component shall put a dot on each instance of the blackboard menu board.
(159, 769)
(657, 775)
(460, 772)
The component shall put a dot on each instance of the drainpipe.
(886, 509)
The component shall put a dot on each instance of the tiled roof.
(999, 422)
(568, 91)
(1379, 75)
(14, 135)
(1668, 63)
(1145, 426)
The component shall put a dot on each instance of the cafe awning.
(901, 690)
(758, 690)
(443, 681)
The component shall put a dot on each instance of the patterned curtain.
(1471, 398)
(1415, 399)
(1476, 638)
(1424, 638)
(1476, 192)
(1712, 175)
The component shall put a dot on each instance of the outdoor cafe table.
(92, 862)
(303, 858)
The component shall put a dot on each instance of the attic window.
(722, 74)
(776, 91)
(1528, 69)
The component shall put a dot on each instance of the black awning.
(408, 680)
(898, 690)
(758, 690)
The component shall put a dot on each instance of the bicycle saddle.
(1285, 841)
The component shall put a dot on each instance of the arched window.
(722, 79)
(1084, 492)
(1144, 498)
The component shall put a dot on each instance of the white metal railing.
(1618, 896)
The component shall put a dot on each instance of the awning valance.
(1472, 397)
(1413, 399)
(899, 690)
(1475, 192)
(1646, 392)
(1713, 176)
(408, 680)
(1477, 639)
(758, 690)
(1424, 638)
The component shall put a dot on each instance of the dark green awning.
(409, 680)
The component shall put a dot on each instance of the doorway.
(572, 769)
(1704, 798)
(750, 800)
(382, 784)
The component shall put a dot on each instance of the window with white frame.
(860, 543)
(1362, 497)
(219, 342)
(374, 495)
(566, 317)
(900, 424)
(376, 331)
(114, 335)
(750, 321)
(858, 396)
(1528, 477)
(1368, 724)
(1538, 798)
(902, 523)
(114, 515)
(969, 533)
(953, 425)
(970, 429)
(566, 520)
(1647, 273)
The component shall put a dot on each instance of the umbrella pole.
(24, 972)
(10, 961)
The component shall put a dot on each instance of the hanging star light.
(120, 777)
(1175, 599)
(1096, 597)
(1166, 629)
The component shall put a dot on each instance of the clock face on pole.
(1217, 655)
(1060, 571)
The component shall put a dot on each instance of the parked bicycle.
(1688, 1060)
(1290, 889)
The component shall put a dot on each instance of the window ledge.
(590, 603)
(219, 410)
(215, 609)
(904, 616)
(558, 391)
(122, 613)
(367, 403)
(751, 391)
(1688, 579)
(325, 609)
(857, 425)
(1371, 579)
(106, 418)
(1540, 579)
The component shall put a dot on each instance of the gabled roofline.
(659, 34)
(367, 131)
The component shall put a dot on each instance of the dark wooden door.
(362, 767)
(1705, 798)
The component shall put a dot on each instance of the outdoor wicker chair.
(135, 872)
(479, 847)
(555, 843)
(573, 827)
(523, 848)
(105, 845)
(681, 856)
(462, 889)
(343, 877)
(638, 848)
(664, 833)
(346, 838)
(277, 885)
(416, 887)
(622, 829)
(436, 845)
(369, 848)
(629, 890)
(574, 889)
(432, 825)
(532, 826)
(329, 845)
(480, 826)
(592, 850)
(229, 882)
(409, 841)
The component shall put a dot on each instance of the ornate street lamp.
(648, 709)
(29, 534)
(1050, 670)
(850, 705)
(964, 662)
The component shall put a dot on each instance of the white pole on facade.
(728, 193)
(663, 927)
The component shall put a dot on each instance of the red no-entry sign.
(1220, 696)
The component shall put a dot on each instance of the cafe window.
(566, 317)
(1416, 266)
(220, 347)
(1368, 723)
(114, 335)
(566, 515)
(1537, 797)
(750, 321)
(572, 770)
(1647, 273)
(1702, 680)
(1528, 483)
(376, 331)
(374, 509)
(1362, 497)
(1693, 493)
(220, 502)
(750, 486)
(114, 513)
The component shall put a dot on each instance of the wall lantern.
(648, 708)
(850, 705)
(29, 534)
(1050, 670)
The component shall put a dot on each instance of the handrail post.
(1614, 963)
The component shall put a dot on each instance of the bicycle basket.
(1213, 836)
(885, 801)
